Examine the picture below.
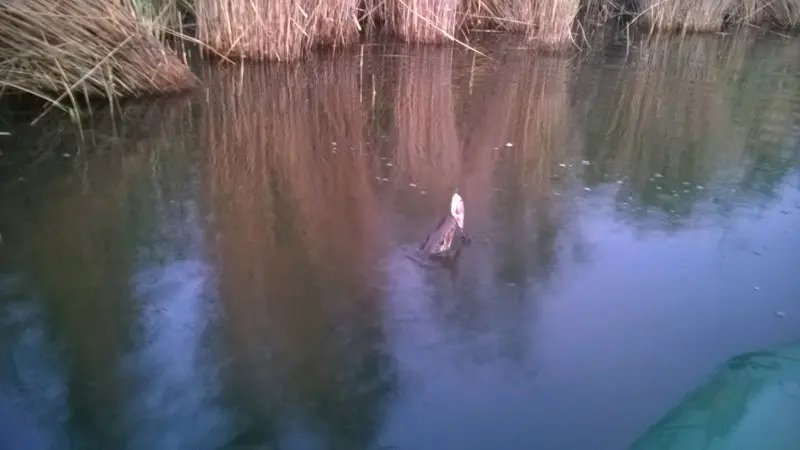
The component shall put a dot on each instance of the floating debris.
(66, 155)
(658, 187)
(685, 191)
(412, 185)
(587, 189)
(385, 179)
(700, 187)
(333, 143)
(585, 162)
(5, 133)
(509, 144)
(619, 181)
(562, 165)
(756, 288)
(780, 314)
(423, 192)
(658, 175)
(686, 183)
(389, 164)
(756, 252)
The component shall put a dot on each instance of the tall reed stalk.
(422, 20)
(546, 23)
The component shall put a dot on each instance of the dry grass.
(83, 48)
(162, 17)
(546, 23)
(781, 13)
(686, 15)
(276, 30)
(422, 20)
(712, 15)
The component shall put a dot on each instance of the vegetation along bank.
(71, 50)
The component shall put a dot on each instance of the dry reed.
(83, 48)
(686, 15)
(163, 18)
(713, 15)
(546, 23)
(422, 20)
(275, 30)
(782, 13)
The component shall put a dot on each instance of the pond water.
(229, 270)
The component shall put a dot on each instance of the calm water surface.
(230, 270)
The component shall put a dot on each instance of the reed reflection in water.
(109, 261)
(231, 271)
(299, 239)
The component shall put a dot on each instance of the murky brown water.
(229, 270)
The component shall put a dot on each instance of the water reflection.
(230, 270)
(715, 94)
(299, 234)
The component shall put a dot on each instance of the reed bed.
(163, 18)
(279, 30)
(83, 49)
(714, 15)
(422, 21)
(780, 13)
(546, 23)
(686, 15)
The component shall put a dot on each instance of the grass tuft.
(546, 23)
(82, 49)
(275, 30)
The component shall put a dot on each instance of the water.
(230, 270)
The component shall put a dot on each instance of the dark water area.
(229, 270)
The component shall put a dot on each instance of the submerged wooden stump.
(88, 47)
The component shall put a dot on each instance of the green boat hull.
(751, 403)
